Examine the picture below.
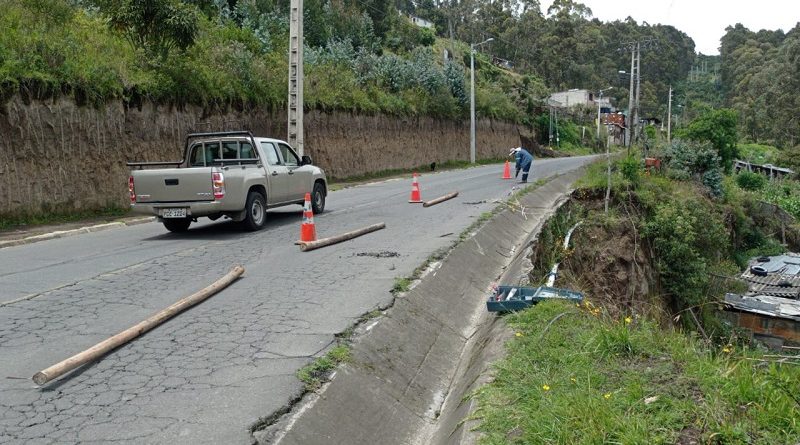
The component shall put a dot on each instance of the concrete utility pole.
(632, 120)
(669, 116)
(638, 89)
(630, 101)
(598, 109)
(295, 104)
(472, 98)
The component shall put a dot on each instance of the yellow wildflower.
(607, 395)
(573, 380)
(518, 334)
(628, 320)
(727, 349)
(546, 387)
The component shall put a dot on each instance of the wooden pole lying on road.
(311, 245)
(98, 350)
(433, 202)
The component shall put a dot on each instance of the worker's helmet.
(514, 151)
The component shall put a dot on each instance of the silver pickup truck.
(229, 174)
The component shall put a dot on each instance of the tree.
(719, 128)
(156, 26)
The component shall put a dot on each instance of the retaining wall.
(58, 156)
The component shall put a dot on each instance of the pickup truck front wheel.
(255, 212)
(177, 224)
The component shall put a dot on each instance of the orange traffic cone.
(507, 171)
(308, 231)
(415, 194)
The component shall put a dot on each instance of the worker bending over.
(524, 162)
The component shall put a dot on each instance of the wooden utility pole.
(295, 104)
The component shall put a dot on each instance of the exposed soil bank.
(607, 259)
(57, 156)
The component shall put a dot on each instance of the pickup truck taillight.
(218, 184)
(131, 190)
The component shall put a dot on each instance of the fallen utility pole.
(305, 246)
(105, 346)
(444, 198)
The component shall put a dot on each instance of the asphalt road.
(209, 374)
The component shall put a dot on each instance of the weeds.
(593, 379)
(401, 285)
(315, 373)
(58, 217)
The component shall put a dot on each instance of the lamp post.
(599, 101)
(472, 98)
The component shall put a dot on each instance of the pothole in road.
(381, 254)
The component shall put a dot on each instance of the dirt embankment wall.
(57, 156)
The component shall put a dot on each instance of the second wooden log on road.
(433, 202)
(311, 245)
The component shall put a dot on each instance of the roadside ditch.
(409, 366)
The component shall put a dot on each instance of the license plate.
(173, 213)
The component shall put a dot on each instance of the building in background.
(575, 97)
(422, 23)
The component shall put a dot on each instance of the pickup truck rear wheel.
(318, 198)
(255, 212)
(177, 225)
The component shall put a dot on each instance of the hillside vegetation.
(577, 375)
(360, 55)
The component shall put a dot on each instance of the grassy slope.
(586, 378)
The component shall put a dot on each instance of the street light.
(472, 98)
(598, 110)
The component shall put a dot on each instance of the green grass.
(318, 371)
(401, 285)
(758, 153)
(783, 193)
(574, 376)
(60, 217)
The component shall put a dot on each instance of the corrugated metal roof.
(766, 305)
(777, 276)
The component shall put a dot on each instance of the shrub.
(751, 181)
(693, 160)
(631, 169)
(687, 237)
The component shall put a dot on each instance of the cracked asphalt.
(209, 374)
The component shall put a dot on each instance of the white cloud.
(703, 20)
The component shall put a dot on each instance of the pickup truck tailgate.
(173, 185)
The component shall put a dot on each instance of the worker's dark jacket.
(524, 160)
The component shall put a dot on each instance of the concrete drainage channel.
(411, 369)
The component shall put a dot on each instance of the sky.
(703, 20)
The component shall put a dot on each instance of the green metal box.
(515, 298)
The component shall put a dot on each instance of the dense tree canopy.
(368, 55)
(760, 79)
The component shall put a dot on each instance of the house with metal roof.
(770, 308)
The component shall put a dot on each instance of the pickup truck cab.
(229, 174)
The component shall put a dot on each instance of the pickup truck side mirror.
(306, 160)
